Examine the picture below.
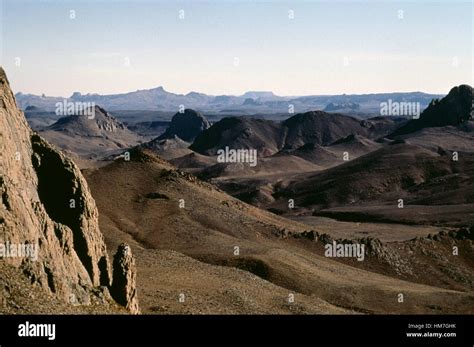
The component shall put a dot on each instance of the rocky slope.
(385, 175)
(168, 148)
(175, 223)
(90, 136)
(46, 204)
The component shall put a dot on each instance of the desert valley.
(262, 231)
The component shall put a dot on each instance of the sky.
(230, 47)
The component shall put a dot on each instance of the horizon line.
(238, 95)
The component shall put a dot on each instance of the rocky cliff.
(49, 227)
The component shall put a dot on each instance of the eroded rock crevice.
(59, 193)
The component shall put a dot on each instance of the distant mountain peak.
(159, 98)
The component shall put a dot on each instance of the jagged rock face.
(67, 200)
(187, 125)
(124, 279)
(454, 109)
(45, 201)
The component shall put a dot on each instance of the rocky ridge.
(46, 203)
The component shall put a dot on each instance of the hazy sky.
(229, 47)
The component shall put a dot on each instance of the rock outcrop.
(124, 279)
(46, 206)
(186, 125)
(454, 109)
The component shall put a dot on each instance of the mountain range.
(158, 99)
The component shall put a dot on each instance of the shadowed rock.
(187, 126)
(45, 202)
(124, 289)
(453, 109)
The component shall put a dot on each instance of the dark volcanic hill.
(187, 126)
(453, 109)
(269, 137)
(320, 127)
(241, 132)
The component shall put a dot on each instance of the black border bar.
(242, 329)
